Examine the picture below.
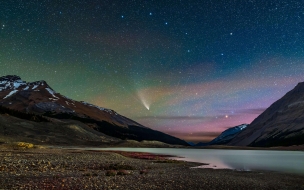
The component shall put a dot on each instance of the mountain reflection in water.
(282, 161)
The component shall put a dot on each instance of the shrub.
(87, 174)
(143, 171)
(23, 115)
(123, 172)
(90, 174)
(119, 167)
(111, 173)
(25, 145)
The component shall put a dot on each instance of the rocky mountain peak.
(39, 98)
(299, 87)
(10, 78)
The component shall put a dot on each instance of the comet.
(146, 103)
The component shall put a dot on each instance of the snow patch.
(100, 108)
(11, 93)
(26, 88)
(35, 87)
(18, 83)
(296, 104)
(68, 98)
(51, 92)
(228, 134)
(13, 85)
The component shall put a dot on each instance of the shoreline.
(220, 147)
(45, 168)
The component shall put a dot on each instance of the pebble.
(67, 169)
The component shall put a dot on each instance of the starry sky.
(190, 68)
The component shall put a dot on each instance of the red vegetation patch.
(142, 155)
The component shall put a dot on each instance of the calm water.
(283, 161)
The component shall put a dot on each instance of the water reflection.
(246, 160)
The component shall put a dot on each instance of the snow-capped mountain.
(39, 98)
(279, 125)
(225, 137)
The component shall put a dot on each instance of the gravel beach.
(79, 169)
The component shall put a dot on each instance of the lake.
(246, 160)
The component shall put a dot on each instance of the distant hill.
(53, 132)
(191, 143)
(225, 137)
(228, 135)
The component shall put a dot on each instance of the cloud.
(202, 136)
(255, 111)
(197, 134)
(176, 117)
(251, 111)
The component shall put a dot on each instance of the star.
(191, 66)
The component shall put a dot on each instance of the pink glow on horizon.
(192, 111)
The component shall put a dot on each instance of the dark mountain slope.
(39, 98)
(282, 124)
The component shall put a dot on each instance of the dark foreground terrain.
(39, 168)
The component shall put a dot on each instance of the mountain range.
(225, 137)
(34, 112)
(39, 99)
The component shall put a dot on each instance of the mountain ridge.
(39, 98)
(226, 136)
(279, 124)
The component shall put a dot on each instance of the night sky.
(188, 68)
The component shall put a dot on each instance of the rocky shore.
(39, 168)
